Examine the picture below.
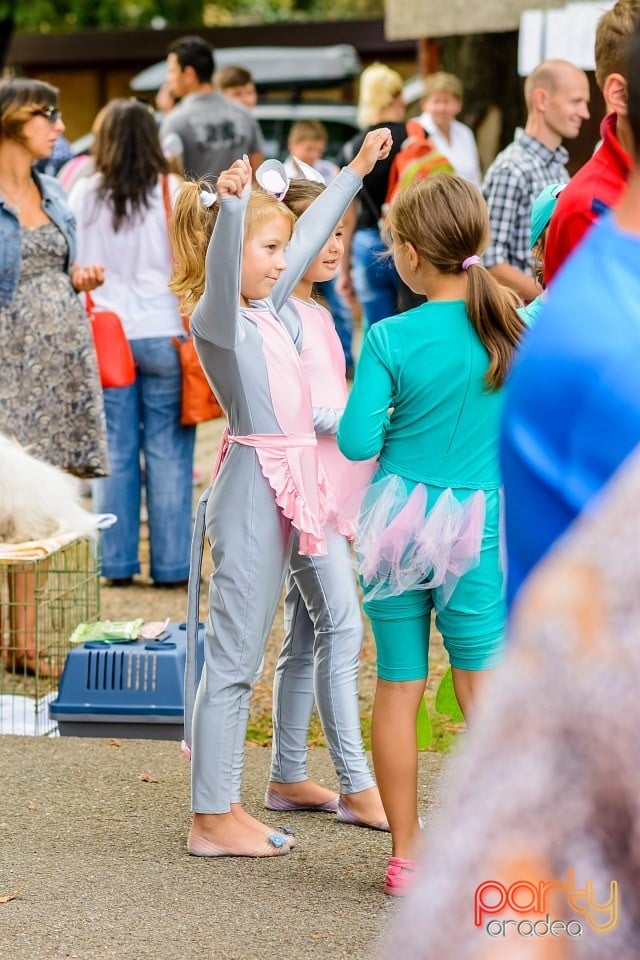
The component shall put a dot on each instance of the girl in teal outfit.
(427, 400)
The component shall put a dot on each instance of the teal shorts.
(472, 622)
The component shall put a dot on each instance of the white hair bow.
(272, 176)
(208, 198)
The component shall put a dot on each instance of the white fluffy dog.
(38, 500)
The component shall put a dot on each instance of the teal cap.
(542, 208)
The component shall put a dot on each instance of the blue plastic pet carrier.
(133, 689)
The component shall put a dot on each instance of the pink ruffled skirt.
(414, 537)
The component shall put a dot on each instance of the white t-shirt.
(460, 150)
(136, 260)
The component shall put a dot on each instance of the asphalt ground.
(92, 839)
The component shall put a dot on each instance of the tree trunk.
(6, 30)
(493, 101)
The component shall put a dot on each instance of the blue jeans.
(144, 419)
(375, 278)
(342, 317)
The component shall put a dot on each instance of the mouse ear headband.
(208, 198)
(272, 176)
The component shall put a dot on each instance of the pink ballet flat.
(277, 801)
(275, 845)
(346, 815)
(399, 877)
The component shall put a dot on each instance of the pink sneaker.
(399, 877)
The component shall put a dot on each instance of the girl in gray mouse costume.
(266, 481)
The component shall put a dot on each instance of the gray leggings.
(319, 662)
(250, 546)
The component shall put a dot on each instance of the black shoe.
(119, 581)
(171, 584)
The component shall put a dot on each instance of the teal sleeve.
(363, 427)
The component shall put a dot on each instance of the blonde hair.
(191, 227)
(445, 218)
(442, 82)
(303, 130)
(613, 33)
(379, 87)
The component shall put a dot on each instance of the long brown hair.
(445, 218)
(128, 154)
(191, 227)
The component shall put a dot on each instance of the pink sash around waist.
(293, 476)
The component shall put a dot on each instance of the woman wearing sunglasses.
(50, 394)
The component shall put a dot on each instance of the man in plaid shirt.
(557, 99)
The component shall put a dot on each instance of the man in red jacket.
(599, 183)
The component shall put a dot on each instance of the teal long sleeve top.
(429, 365)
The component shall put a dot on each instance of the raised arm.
(216, 317)
(319, 219)
(311, 232)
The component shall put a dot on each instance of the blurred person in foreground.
(572, 409)
(544, 862)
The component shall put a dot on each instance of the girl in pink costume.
(323, 625)
(266, 481)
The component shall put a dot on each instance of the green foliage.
(52, 16)
(446, 702)
(423, 727)
(47, 16)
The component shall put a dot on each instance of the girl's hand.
(375, 146)
(231, 182)
(87, 278)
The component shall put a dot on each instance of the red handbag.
(115, 360)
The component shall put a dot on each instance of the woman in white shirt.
(122, 224)
(441, 103)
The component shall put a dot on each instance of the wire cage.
(45, 592)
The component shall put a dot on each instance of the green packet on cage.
(111, 631)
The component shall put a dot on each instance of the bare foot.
(365, 807)
(223, 835)
(243, 817)
(304, 793)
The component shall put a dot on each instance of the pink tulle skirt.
(404, 542)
